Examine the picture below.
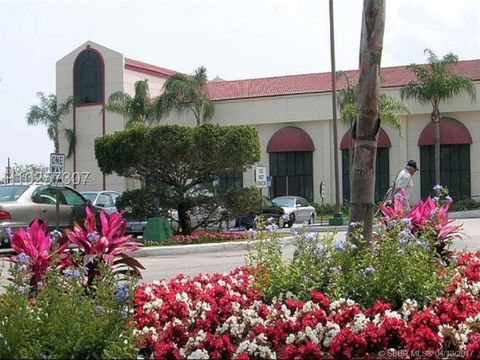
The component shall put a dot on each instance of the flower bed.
(221, 316)
(202, 237)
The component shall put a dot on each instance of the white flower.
(199, 354)
(332, 329)
(393, 315)
(290, 339)
(359, 323)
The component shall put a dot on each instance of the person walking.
(404, 180)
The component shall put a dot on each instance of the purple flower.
(23, 258)
(22, 289)
(339, 246)
(309, 237)
(93, 236)
(55, 235)
(23, 268)
(368, 271)
(73, 273)
(319, 250)
(121, 293)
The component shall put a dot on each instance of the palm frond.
(37, 115)
(64, 107)
(208, 109)
(119, 103)
(436, 82)
(71, 141)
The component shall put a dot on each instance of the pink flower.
(109, 243)
(35, 243)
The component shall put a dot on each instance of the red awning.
(452, 132)
(290, 139)
(383, 140)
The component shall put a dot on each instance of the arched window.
(291, 163)
(382, 165)
(88, 77)
(455, 140)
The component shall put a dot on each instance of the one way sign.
(57, 168)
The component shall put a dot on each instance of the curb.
(470, 214)
(199, 248)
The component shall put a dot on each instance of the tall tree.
(50, 113)
(436, 83)
(137, 109)
(367, 125)
(180, 162)
(184, 93)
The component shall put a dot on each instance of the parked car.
(104, 199)
(268, 210)
(21, 204)
(296, 208)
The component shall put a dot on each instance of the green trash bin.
(158, 229)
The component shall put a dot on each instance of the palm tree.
(388, 107)
(368, 123)
(437, 83)
(137, 109)
(49, 113)
(183, 93)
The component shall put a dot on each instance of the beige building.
(293, 116)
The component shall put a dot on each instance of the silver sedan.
(21, 204)
(296, 208)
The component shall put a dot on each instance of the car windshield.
(89, 195)
(11, 193)
(285, 202)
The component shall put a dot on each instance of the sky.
(232, 39)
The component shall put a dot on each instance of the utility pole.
(338, 215)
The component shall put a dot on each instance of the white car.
(297, 209)
(104, 199)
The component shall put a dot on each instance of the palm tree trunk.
(436, 141)
(56, 144)
(368, 123)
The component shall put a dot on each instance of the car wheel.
(311, 220)
(291, 220)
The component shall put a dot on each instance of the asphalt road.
(169, 266)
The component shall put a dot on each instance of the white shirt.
(404, 181)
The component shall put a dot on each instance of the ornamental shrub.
(397, 266)
(306, 271)
(62, 321)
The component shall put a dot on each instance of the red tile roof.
(298, 84)
(319, 82)
(145, 68)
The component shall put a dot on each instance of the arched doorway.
(382, 166)
(291, 163)
(455, 140)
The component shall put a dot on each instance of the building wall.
(310, 112)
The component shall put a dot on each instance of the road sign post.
(322, 195)
(57, 169)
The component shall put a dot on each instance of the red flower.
(320, 299)
(473, 348)
(346, 344)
